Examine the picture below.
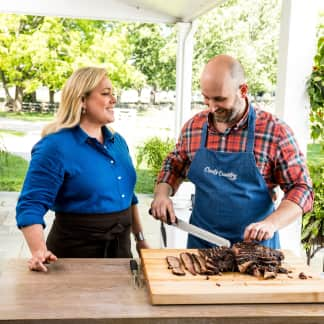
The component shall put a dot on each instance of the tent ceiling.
(157, 11)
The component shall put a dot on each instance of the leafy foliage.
(154, 53)
(249, 31)
(313, 222)
(315, 88)
(153, 152)
(43, 51)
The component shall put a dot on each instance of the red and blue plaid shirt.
(276, 152)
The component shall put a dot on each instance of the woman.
(83, 171)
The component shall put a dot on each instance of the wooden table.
(100, 291)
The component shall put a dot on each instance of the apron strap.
(203, 140)
(251, 128)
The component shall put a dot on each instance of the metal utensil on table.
(135, 275)
(194, 230)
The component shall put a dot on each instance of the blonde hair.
(78, 86)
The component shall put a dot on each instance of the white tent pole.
(296, 52)
(183, 74)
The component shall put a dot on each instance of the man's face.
(223, 98)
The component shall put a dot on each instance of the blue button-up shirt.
(73, 173)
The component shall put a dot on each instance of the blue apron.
(230, 191)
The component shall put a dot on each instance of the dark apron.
(91, 235)
(230, 191)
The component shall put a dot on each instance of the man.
(235, 155)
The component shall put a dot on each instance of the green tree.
(17, 53)
(154, 53)
(43, 51)
(248, 30)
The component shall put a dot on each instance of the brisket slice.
(188, 262)
(175, 265)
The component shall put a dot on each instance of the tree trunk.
(9, 100)
(18, 99)
(51, 96)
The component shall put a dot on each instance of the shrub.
(313, 222)
(153, 152)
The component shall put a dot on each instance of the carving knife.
(201, 233)
(197, 231)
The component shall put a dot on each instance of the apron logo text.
(230, 175)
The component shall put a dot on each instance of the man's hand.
(39, 259)
(162, 204)
(160, 207)
(260, 231)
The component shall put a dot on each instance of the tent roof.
(155, 11)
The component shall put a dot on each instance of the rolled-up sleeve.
(43, 180)
(292, 173)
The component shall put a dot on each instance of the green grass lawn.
(13, 170)
(29, 116)
(12, 132)
(314, 153)
(145, 181)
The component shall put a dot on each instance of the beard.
(230, 114)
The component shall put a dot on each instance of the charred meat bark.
(218, 259)
(258, 260)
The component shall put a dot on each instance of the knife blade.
(163, 234)
(196, 231)
(201, 233)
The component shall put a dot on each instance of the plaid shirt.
(276, 152)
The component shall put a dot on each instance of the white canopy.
(156, 11)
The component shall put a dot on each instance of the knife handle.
(168, 217)
(133, 265)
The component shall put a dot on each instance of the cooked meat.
(250, 258)
(269, 275)
(201, 261)
(219, 259)
(302, 276)
(175, 265)
(258, 260)
(187, 261)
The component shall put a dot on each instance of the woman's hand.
(39, 259)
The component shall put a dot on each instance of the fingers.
(258, 232)
(39, 259)
(36, 264)
(161, 208)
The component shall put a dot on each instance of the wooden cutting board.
(229, 288)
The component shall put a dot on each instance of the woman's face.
(99, 105)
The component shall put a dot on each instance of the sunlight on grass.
(28, 116)
(12, 171)
(12, 132)
(314, 153)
